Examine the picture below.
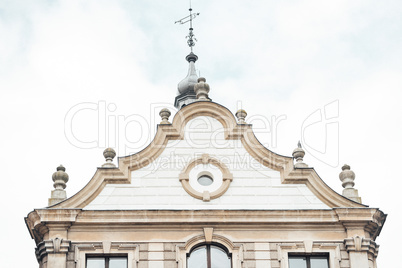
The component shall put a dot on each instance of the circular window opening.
(205, 180)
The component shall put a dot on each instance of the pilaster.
(362, 251)
(53, 252)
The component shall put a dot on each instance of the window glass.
(198, 258)
(205, 180)
(319, 262)
(297, 262)
(118, 262)
(209, 256)
(96, 263)
(308, 262)
(219, 258)
(106, 262)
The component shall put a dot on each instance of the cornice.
(312, 180)
(39, 221)
(369, 219)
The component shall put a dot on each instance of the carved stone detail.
(241, 116)
(164, 114)
(360, 244)
(208, 234)
(201, 89)
(109, 154)
(106, 246)
(347, 177)
(56, 245)
(206, 195)
(60, 178)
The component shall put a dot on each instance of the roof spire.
(191, 39)
(186, 94)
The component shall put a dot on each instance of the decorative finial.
(201, 89)
(347, 177)
(109, 154)
(165, 113)
(241, 116)
(191, 39)
(298, 155)
(60, 178)
(186, 94)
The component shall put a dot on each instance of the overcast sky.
(78, 76)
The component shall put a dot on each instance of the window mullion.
(208, 256)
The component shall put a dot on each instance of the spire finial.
(109, 154)
(60, 178)
(201, 89)
(347, 177)
(298, 155)
(191, 39)
(241, 116)
(164, 114)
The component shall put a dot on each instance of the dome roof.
(187, 84)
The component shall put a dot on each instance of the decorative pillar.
(53, 253)
(362, 252)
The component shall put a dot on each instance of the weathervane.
(191, 40)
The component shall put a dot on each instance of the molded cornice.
(41, 221)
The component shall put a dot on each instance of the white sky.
(285, 60)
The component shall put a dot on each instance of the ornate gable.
(204, 139)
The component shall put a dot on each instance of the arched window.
(209, 256)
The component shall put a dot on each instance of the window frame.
(308, 258)
(290, 249)
(88, 249)
(208, 253)
(106, 258)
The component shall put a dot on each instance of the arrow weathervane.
(191, 40)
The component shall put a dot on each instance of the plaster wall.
(157, 185)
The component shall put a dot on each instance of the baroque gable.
(204, 138)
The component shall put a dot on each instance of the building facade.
(205, 193)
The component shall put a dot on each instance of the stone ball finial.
(347, 177)
(109, 154)
(165, 114)
(60, 178)
(241, 116)
(201, 89)
(298, 154)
